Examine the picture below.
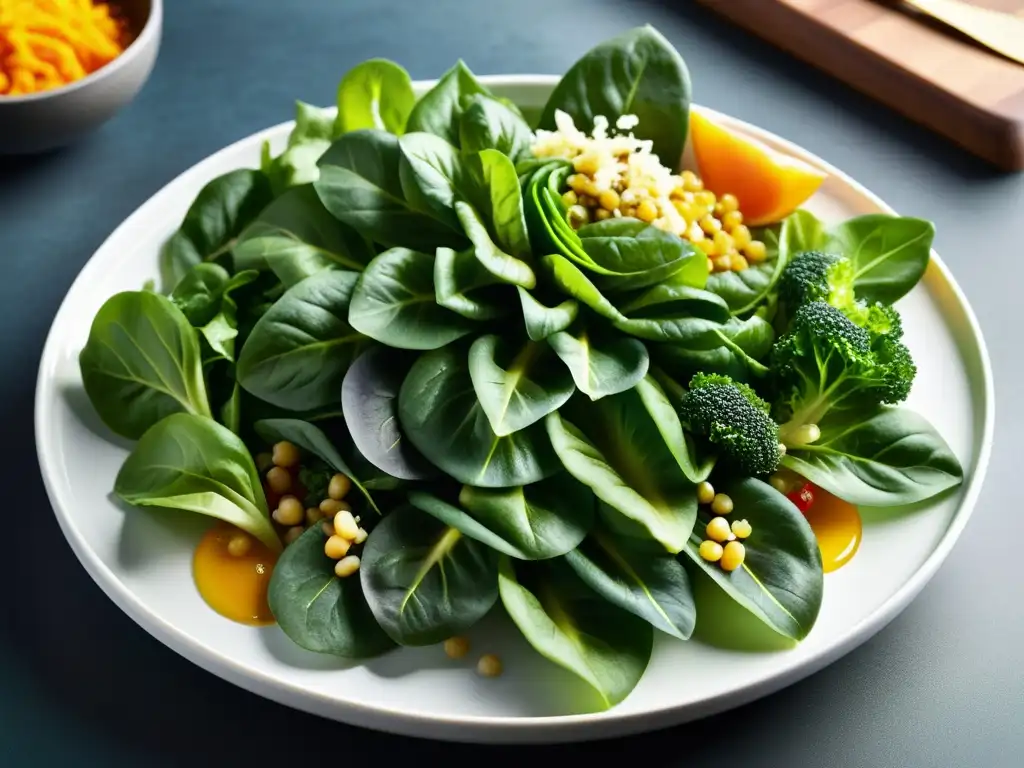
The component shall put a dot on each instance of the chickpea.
(289, 511)
(721, 504)
(285, 454)
(756, 252)
(609, 199)
(647, 210)
(710, 551)
(570, 199)
(489, 666)
(361, 535)
(346, 566)
(731, 220)
(345, 525)
(339, 486)
(333, 506)
(705, 493)
(279, 480)
(336, 547)
(729, 203)
(718, 529)
(456, 647)
(733, 556)
(742, 529)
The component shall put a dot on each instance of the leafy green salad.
(537, 414)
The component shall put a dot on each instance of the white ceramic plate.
(142, 560)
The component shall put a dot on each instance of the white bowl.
(142, 560)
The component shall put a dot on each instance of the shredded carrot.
(49, 43)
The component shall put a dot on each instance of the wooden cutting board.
(914, 65)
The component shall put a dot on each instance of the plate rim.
(490, 728)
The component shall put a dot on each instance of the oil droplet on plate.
(837, 526)
(235, 586)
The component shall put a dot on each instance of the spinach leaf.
(221, 210)
(395, 303)
(192, 463)
(369, 401)
(882, 459)
(311, 439)
(299, 350)
(614, 446)
(665, 416)
(204, 296)
(296, 237)
(142, 362)
(889, 253)
(572, 626)
(637, 73)
(308, 140)
(440, 109)
(496, 193)
(517, 385)
(670, 300)
(627, 253)
(506, 268)
(231, 411)
(432, 174)
(530, 522)
(653, 587)
(317, 610)
(441, 415)
(374, 94)
(542, 321)
(486, 123)
(734, 349)
(463, 285)
(601, 364)
(781, 579)
(425, 581)
(361, 186)
(569, 278)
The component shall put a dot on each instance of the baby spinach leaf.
(204, 296)
(299, 350)
(376, 93)
(361, 186)
(734, 349)
(568, 277)
(653, 587)
(637, 73)
(883, 459)
(669, 300)
(506, 268)
(889, 253)
(441, 415)
(627, 253)
(192, 463)
(395, 303)
(517, 385)
(369, 401)
(572, 626)
(601, 365)
(781, 579)
(231, 411)
(310, 438)
(317, 610)
(295, 237)
(440, 109)
(487, 123)
(542, 321)
(463, 285)
(425, 581)
(531, 522)
(613, 445)
(221, 210)
(308, 140)
(665, 416)
(432, 174)
(497, 196)
(142, 362)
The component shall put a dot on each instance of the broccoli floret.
(827, 362)
(735, 420)
(817, 276)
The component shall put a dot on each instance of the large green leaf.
(486, 123)
(424, 580)
(360, 185)
(433, 174)
(734, 349)
(221, 210)
(781, 579)
(636, 73)
(614, 446)
(628, 254)
(299, 350)
(572, 626)
(369, 401)
(530, 522)
(395, 303)
(376, 93)
(310, 438)
(295, 237)
(192, 463)
(441, 415)
(463, 285)
(141, 363)
(497, 196)
(654, 587)
(601, 365)
(439, 110)
(517, 384)
(507, 268)
(542, 321)
(317, 610)
(887, 458)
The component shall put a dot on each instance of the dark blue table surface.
(82, 685)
